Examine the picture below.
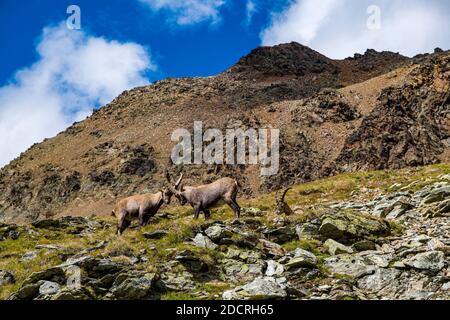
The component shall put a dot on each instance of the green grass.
(310, 199)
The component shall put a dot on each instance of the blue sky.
(197, 49)
(51, 76)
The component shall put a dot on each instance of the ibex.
(140, 206)
(204, 197)
(282, 206)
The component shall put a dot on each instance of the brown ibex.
(142, 207)
(204, 197)
(282, 206)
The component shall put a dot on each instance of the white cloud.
(339, 28)
(75, 72)
(250, 9)
(188, 12)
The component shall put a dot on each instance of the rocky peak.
(290, 59)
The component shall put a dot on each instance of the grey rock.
(6, 277)
(443, 207)
(181, 281)
(204, 242)
(238, 271)
(49, 288)
(437, 194)
(191, 261)
(28, 256)
(274, 268)
(250, 256)
(68, 294)
(242, 239)
(335, 247)
(101, 267)
(379, 280)
(48, 247)
(280, 235)
(302, 259)
(13, 234)
(394, 207)
(272, 249)
(364, 245)
(343, 226)
(307, 231)
(433, 261)
(134, 286)
(258, 289)
(28, 291)
(446, 286)
(54, 274)
(158, 234)
(435, 244)
(350, 265)
(376, 258)
(217, 232)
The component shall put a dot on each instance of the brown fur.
(207, 196)
(141, 207)
(282, 206)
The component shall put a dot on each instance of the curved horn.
(284, 194)
(178, 181)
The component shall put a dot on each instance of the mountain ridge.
(330, 113)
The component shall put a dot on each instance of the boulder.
(67, 294)
(349, 265)
(191, 261)
(203, 242)
(443, 207)
(378, 280)
(280, 235)
(302, 259)
(345, 226)
(49, 288)
(307, 231)
(437, 194)
(364, 245)
(393, 207)
(176, 281)
(158, 234)
(270, 248)
(238, 271)
(28, 291)
(218, 232)
(6, 277)
(258, 289)
(334, 247)
(54, 274)
(134, 286)
(274, 268)
(433, 261)
(242, 239)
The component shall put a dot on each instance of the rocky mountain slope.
(372, 111)
(375, 235)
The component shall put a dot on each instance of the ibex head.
(175, 189)
(282, 206)
(166, 195)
